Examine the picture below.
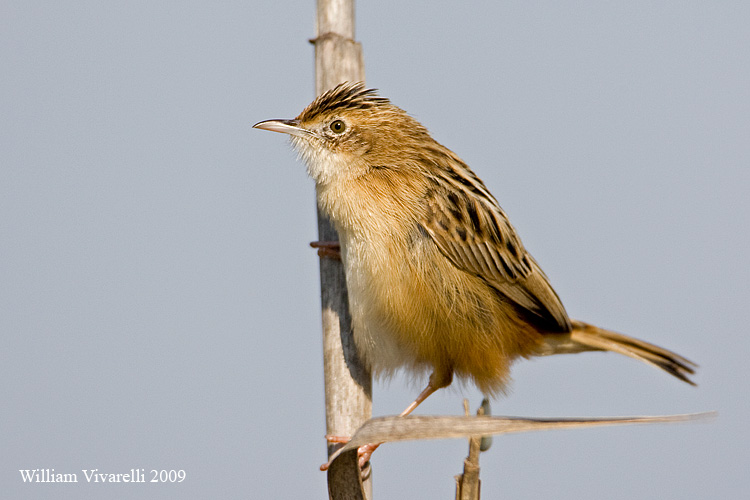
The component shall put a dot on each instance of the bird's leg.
(364, 452)
(426, 393)
(329, 249)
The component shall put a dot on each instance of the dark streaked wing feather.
(472, 231)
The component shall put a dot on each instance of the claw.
(364, 453)
(328, 249)
(337, 439)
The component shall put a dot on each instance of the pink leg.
(426, 393)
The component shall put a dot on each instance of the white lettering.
(29, 475)
(89, 476)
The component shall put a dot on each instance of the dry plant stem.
(348, 383)
(410, 428)
(468, 484)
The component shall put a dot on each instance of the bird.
(438, 279)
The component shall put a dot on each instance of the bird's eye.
(337, 126)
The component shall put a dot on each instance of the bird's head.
(349, 130)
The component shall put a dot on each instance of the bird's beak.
(290, 127)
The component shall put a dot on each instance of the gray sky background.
(159, 306)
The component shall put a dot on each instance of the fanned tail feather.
(585, 337)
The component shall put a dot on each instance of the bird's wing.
(473, 232)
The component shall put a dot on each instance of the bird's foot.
(328, 249)
(364, 452)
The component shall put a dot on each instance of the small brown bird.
(438, 279)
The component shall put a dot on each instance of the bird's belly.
(379, 341)
(435, 317)
(408, 314)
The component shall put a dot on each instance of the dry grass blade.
(394, 428)
(345, 478)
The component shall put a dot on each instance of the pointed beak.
(290, 127)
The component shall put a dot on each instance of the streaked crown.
(343, 97)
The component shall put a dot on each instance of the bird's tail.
(585, 337)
